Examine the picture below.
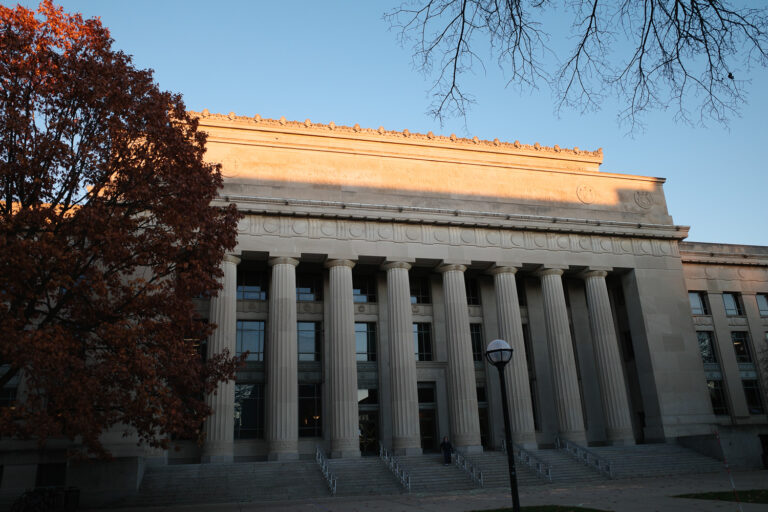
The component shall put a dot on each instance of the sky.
(339, 61)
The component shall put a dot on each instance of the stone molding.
(396, 264)
(503, 270)
(339, 263)
(449, 267)
(283, 261)
(230, 258)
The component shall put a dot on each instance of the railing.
(393, 464)
(589, 458)
(322, 460)
(468, 466)
(523, 456)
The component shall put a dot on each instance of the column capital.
(230, 258)
(551, 270)
(448, 267)
(339, 263)
(504, 269)
(283, 260)
(396, 264)
(595, 272)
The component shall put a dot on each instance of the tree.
(107, 233)
(692, 56)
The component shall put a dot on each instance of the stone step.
(430, 475)
(656, 460)
(364, 476)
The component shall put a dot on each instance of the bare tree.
(691, 56)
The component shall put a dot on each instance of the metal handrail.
(588, 457)
(322, 460)
(469, 467)
(543, 470)
(392, 462)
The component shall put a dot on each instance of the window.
(698, 302)
(310, 409)
(741, 346)
(752, 394)
(365, 341)
(249, 411)
(732, 303)
(426, 392)
(363, 289)
(250, 338)
(8, 392)
(476, 335)
(368, 396)
(762, 303)
(473, 291)
(310, 335)
(717, 397)
(706, 347)
(422, 341)
(309, 288)
(251, 284)
(420, 291)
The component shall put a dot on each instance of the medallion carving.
(586, 194)
(644, 199)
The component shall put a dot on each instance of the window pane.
(365, 341)
(476, 335)
(762, 304)
(249, 411)
(251, 284)
(741, 346)
(717, 396)
(732, 303)
(473, 291)
(309, 336)
(422, 341)
(250, 338)
(363, 288)
(698, 303)
(706, 347)
(310, 409)
(752, 394)
(420, 290)
(309, 288)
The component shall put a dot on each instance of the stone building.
(373, 267)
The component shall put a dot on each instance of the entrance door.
(428, 427)
(369, 432)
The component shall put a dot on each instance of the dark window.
(528, 349)
(51, 475)
(762, 303)
(706, 347)
(698, 302)
(717, 396)
(363, 288)
(752, 394)
(732, 303)
(482, 398)
(420, 291)
(310, 336)
(473, 291)
(476, 335)
(422, 341)
(309, 288)
(310, 409)
(741, 346)
(249, 411)
(368, 396)
(8, 392)
(521, 298)
(250, 338)
(426, 393)
(251, 284)
(365, 341)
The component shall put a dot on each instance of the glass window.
(741, 346)
(420, 291)
(249, 411)
(698, 302)
(365, 341)
(310, 409)
(476, 335)
(250, 338)
(732, 303)
(422, 341)
(473, 291)
(482, 398)
(717, 397)
(762, 303)
(368, 396)
(309, 288)
(310, 335)
(706, 347)
(251, 284)
(8, 392)
(752, 394)
(426, 392)
(363, 288)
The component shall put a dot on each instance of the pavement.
(630, 495)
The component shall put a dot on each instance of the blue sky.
(338, 61)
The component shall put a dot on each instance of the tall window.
(473, 291)
(698, 302)
(706, 347)
(310, 409)
(310, 336)
(752, 394)
(363, 288)
(732, 303)
(762, 303)
(8, 392)
(420, 290)
(250, 338)
(309, 288)
(422, 341)
(476, 335)
(717, 397)
(740, 341)
(365, 341)
(251, 284)
(249, 411)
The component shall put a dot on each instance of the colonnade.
(281, 415)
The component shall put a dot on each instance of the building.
(374, 266)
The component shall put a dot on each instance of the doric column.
(618, 425)
(567, 398)
(511, 331)
(220, 426)
(282, 415)
(342, 381)
(460, 374)
(402, 362)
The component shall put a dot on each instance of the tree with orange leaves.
(107, 233)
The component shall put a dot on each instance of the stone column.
(342, 381)
(406, 438)
(281, 361)
(460, 374)
(516, 371)
(566, 383)
(613, 393)
(220, 426)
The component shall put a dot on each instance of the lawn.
(751, 496)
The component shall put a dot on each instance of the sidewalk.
(632, 495)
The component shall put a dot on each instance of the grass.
(751, 496)
(546, 508)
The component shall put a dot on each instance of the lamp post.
(499, 353)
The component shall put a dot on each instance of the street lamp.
(499, 353)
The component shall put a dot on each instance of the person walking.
(447, 448)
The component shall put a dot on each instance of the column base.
(579, 437)
(525, 439)
(283, 456)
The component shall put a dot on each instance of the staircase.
(429, 475)
(656, 460)
(496, 471)
(565, 469)
(363, 476)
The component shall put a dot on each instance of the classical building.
(373, 267)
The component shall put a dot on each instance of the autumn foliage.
(107, 233)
